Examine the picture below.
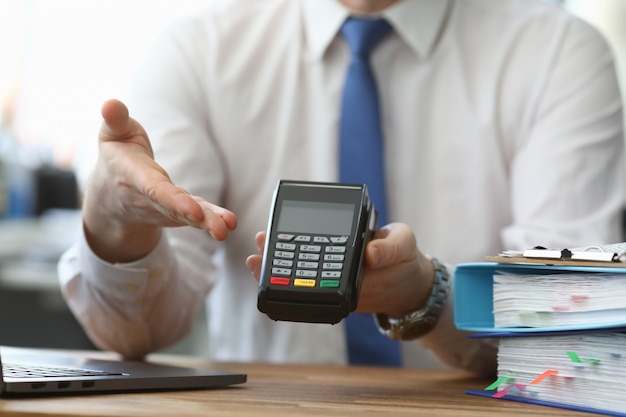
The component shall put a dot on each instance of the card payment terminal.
(314, 251)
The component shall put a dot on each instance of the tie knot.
(362, 35)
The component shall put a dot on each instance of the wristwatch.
(419, 322)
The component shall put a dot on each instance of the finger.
(392, 244)
(140, 172)
(216, 220)
(182, 206)
(254, 263)
(260, 241)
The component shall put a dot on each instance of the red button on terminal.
(280, 281)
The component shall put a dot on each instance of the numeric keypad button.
(339, 240)
(309, 256)
(335, 249)
(310, 248)
(284, 254)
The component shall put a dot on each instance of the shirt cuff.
(122, 281)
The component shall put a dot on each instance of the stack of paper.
(553, 300)
(581, 370)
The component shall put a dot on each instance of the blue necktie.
(361, 161)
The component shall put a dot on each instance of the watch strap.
(421, 321)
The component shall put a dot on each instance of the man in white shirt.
(503, 130)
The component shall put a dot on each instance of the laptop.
(35, 371)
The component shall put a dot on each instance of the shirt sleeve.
(567, 173)
(127, 307)
(456, 349)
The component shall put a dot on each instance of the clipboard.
(612, 255)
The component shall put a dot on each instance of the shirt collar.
(417, 22)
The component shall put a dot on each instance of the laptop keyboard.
(31, 371)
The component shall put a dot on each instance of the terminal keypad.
(308, 261)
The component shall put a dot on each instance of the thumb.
(392, 244)
(116, 120)
(118, 126)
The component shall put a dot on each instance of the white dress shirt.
(503, 130)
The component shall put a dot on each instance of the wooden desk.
(292, 391)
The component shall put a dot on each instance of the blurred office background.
(59, 59)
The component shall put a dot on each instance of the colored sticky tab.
(513, 388)
(500, 394)
(498, 382)
(546, 374)
(576, 359)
